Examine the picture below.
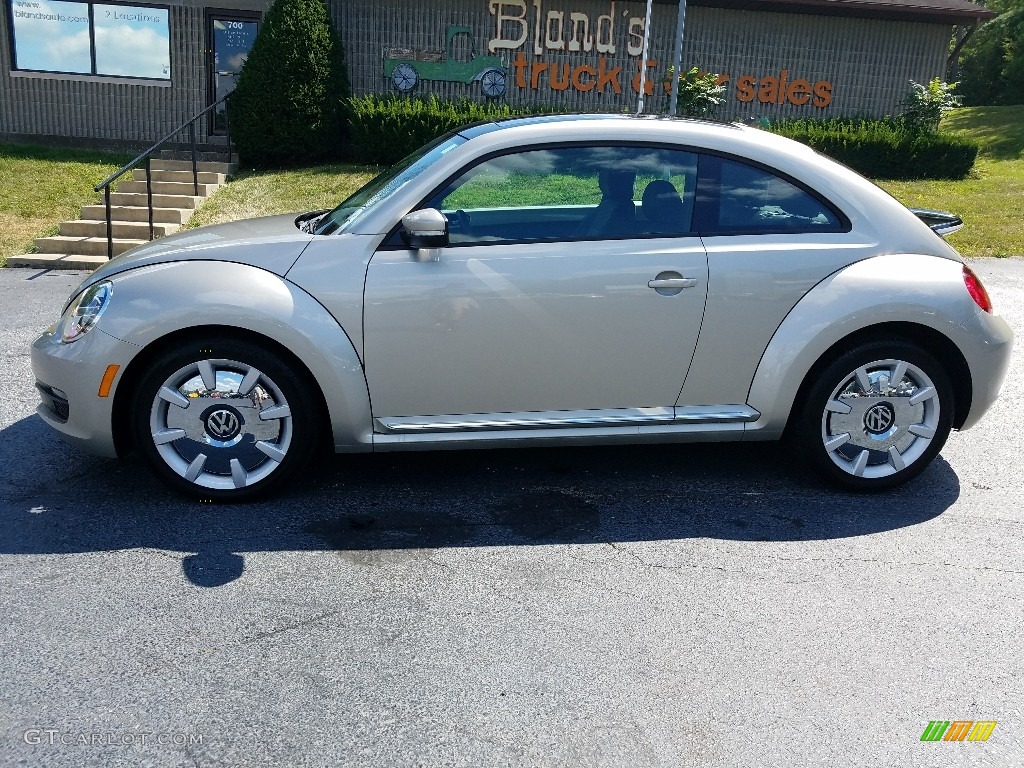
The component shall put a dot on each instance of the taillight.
(977, 290)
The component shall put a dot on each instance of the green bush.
(699, 94)
(287, 106)
(385, 129)
(886, 148)
(925, 105)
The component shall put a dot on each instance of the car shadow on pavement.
(55, 500)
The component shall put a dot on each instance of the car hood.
(272, 243)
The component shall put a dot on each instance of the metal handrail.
(104, 186)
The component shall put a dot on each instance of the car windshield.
(386, 184)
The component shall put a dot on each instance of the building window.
(92, 38)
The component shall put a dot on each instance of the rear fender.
(926, 291)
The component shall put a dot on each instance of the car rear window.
(737, 198)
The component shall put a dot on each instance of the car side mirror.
(424, 230)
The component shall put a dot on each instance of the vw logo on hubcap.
(222, 424)
(879, 418)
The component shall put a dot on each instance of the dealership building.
(125, 73)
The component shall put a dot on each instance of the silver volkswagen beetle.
(532, 281)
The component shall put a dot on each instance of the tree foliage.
(700, 93)
(992, 61)
(287, 106)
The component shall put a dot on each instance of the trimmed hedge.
(885, 149)
(383, 130)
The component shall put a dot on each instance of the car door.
(770, 239)
(558, 301)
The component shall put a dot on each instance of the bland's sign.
(527, 28)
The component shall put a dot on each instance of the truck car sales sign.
(541, 33)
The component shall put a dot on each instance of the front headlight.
(84, 311)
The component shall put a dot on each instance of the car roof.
(727, 137)
(552, 119)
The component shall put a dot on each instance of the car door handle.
(672, 282)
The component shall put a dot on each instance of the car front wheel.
(876, 417)
(223, 420)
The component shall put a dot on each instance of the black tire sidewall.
(808, 433)
(295, 390)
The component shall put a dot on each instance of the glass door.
(231, 35)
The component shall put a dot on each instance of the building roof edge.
(928, 11)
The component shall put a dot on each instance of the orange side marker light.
(108, 380)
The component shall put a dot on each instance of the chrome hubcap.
(880, 419)
(221, 424)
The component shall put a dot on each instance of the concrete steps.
(138, 199)
(137, 213)
(167, 188)
(133, 230)
(185, 177)
(210, 155)
(210, 166)
(82, 244)
(85, 246)
(56, 261)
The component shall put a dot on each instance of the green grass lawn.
(262, 193)
(990, 200)
(44, 186)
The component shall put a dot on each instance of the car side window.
(737, 198)
(571, 193)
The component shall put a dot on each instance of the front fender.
(152, 302)
(924, 290)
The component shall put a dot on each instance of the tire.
(404, 77)
(492, 83)
(861, 431)
(252, 435)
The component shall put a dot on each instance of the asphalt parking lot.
(653, 606)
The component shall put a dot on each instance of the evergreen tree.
(287, 106)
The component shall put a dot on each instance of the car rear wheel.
(223, 420)
(876, 417)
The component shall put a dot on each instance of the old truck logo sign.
(405, 67)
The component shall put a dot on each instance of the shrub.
(385, 129)
(925, 105)
(286, 108)
(700, 94)
(885, 149)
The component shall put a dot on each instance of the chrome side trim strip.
(527, 420)
(625, 417)
(716, 414)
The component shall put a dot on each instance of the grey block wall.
(868, 62)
